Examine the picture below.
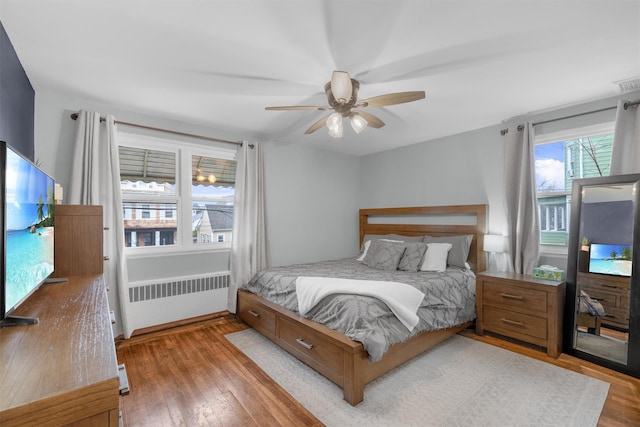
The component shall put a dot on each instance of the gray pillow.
(459, 248)
(384, 255)
(387, 237)
(412, 257)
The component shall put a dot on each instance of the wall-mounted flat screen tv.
(610, 259)
(27, 222)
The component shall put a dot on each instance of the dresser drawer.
(605, 283)
(624, 303)
(607, 299)
(311, 348)
(258, 316)
(505, 321)
(617, 317)
(513, 297)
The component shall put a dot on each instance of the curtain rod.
(74, 116)
(625, 105)
(631, 104)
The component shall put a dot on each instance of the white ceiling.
(219, 63)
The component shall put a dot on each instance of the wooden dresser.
(79, 235)
(62, 370)
(612, 292)
(521, 307)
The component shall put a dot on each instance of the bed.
(344, 360)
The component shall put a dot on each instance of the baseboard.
(172, 325)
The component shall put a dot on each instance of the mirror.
(602, 272)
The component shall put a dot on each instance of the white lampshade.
(341, 86)
(336, 131)
(334, 121)
(358, 123)
(493, 243)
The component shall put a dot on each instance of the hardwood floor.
(192, 376)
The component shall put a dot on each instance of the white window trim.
(567, 135)
(183, 151)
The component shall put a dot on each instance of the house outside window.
(175, 195)
(559, 159)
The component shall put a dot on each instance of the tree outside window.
(557, 164)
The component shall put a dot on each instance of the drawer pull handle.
(605, 285)
(304, 344)
(518, 297)
(253, 313)
(512, 322)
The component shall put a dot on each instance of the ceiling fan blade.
(299, 107)
(391, 99)
(372, 121)
(317, 125)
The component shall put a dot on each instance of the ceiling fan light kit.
(342, 96)
(358, 123)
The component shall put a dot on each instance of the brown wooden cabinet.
(612, 292)
(62, 370)
(78, 240)
(521, 307)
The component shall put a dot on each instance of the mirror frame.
(571, 304)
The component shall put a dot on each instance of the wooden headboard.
(422, 214)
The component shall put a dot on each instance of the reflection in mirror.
(604, 271)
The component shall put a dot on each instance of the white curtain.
(249, 252)
(95, 180)
(625, 156)
(520, 196)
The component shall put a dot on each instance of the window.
(560, 158)
(175, 195)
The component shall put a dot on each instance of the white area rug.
(460, 382)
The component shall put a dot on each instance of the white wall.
(312, 203)
(459, 170)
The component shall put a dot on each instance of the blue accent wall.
(17, 100)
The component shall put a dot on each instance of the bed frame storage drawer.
(312, 349)
(258, 316)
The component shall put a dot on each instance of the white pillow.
(435, 259)
(364, 252)
(366, 247)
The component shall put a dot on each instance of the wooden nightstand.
(521, 307)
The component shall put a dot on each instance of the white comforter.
(402, 299)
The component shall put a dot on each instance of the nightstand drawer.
(514, 297)
(503, 321)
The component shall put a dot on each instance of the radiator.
(177, 286)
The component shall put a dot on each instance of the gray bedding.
(449, 300)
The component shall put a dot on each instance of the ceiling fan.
(342, 94)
